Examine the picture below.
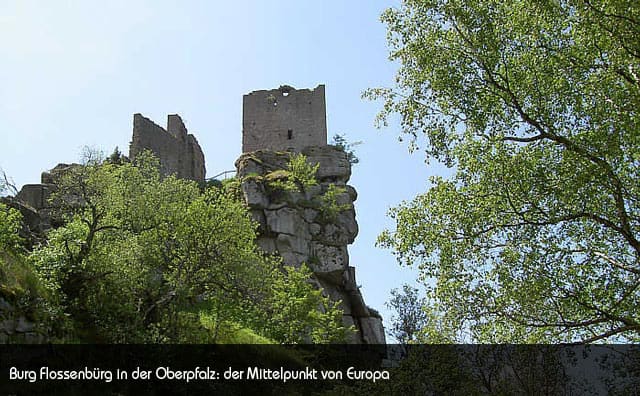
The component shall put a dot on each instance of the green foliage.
(329, 207)
(24, 290)
(16, 279)
(232, 186)
(10, 224)
(340, 141)
(535, 103)
(116, 157)
(410, 318)
(211, 183)
(144, 258)
(301, 314)
(20, 285)
(230, 333)
(299, 175)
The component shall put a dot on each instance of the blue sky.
(73, 73)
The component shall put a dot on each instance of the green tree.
(10, 225)
(144, 258)
(535, 105)
(116, 157)
(300, 313)
(410, 318)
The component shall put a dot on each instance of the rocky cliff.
(304, 227)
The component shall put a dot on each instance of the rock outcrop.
(16, 328)
(302, 227)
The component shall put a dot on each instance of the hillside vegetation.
(148, 259)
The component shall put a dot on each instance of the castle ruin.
(178, 151)
(293, 225)
(284, 119)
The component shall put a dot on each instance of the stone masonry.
(178, 151)
(33, 200)
(284, 119)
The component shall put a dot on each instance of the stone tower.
(178, 151)
(284, 119)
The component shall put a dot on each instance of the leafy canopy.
(410, 318)
(535, 105)
(144, 258)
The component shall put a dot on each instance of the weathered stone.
(329, 261)
(315, 229)
(261, 162)
(292, 243)
(352, 193)
(347, 320)
(248, 165)
(334, 164)
(287, 221)
(346, 221)
(36, 195)
(257, 215)
(313, 191)
(349, 279)
(336, 294)
(356, 337)
(372, 330)
(297, 227)
(343, 199)
(267, 245)
(284, 119)
(282, 220)
(293, 197)
(334, 236)
(358, 307)
(277, 205)
(293, 259)
(55, 174)
(254, 194)
(309, 215)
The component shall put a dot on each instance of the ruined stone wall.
(294, 226)
(178, 151)
(284, 119)
(36, 195)
(34, 200)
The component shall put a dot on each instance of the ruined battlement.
(178, 151)
(284, 119)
